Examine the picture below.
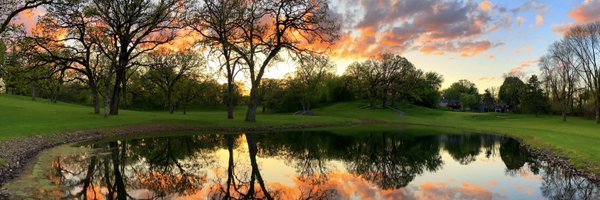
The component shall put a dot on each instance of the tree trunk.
(230, 101)
(384, 99)
(33, 88)
(253, 151)
(230, 165)
(106, 99)
(124, 92)
(170, 102)
(564, 116)
(95, 97)
(119, 182)
(597, 113)
(252, 105)
(114, 107)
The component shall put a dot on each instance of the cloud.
(440, 190)
(465, 48)
(29, 18)
(588, 11)
(487, 79)
(520, 70)
(533, 5)
(520, 20)
(486, 5)
(434, 27)
(539, 20)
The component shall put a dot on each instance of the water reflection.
(312, 165)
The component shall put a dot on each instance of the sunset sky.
(475, 40)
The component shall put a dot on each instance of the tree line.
(571, 72)
(119, 53)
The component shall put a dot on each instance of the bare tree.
(167, 68)
(268, 27)
(584, 42)
(130, 29)
(559, 71)
(216, 21)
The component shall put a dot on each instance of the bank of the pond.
(19, 152)
(577, 139)
(575, 142)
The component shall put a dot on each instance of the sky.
(480, 41)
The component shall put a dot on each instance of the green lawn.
(578, 139)
(20, 116)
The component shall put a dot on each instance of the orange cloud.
(432, 27)
(588, 11)
(520, 70)
(466, 49)
(539, 20)
(440, 190)
(486, 6)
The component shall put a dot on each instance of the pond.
(301, 165)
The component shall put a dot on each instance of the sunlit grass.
(577, 139)
(20, 116)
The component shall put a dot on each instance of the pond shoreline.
(21, 152)
(18, 153)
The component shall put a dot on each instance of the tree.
(534, 100)
(9, 9)
(489, 101)
(75, 47)
(463, 90)
(366, 76)
(167, 68)
(268, 27)
(584, 42)
(394, 70)
(216, 21)
(128, 29)
(311, 73)
(559, 72)
(510, 92)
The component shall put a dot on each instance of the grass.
(577, 139)
(20, 116)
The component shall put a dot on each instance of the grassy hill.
(20, 116)
(577, 139)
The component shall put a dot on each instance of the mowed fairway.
(20, 116)
(577, 139)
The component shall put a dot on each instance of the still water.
(302, 165)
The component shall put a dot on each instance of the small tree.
(311, 74)
(510, 92)
(167, 68)
(488, 100)
(534, 100)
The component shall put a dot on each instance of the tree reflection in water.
(229, 166)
